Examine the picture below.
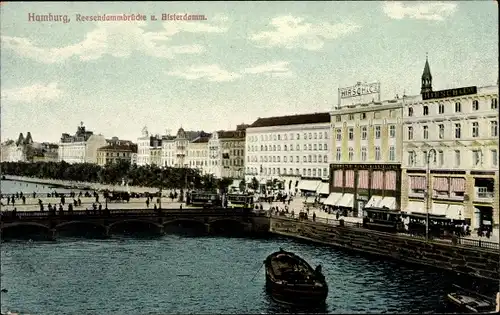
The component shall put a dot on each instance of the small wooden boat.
(470, 302)
(291, 280)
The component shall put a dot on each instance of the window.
(363, 115)
(305, 159)
(325, 173)
(392, 153)
(321, 135)
(377, 132)
(426, 157)
(410, 133)
(315, 147)
(377, 153)
(457, 131)
(475, 105)
(494, 103)
(314, 159)
(410, 111)
(320, 147)
(441, 158)
(338, 134)
(298, 136)
(310, 147)
(426, 110)
(458, 107)
(351, 116)
(392, 131)
(494, 128)
(351, 154)
(441, 108)
(363, 154)
(285, 148)
(475, 129)
(325, 158)
(494, 157)
(314, 172)
(297, 159)
(310, 136)
(426, 132)
(297, 147)
(476, 157)
(338, 118)
(411, 158)
(325, 147)
(326, 135)
(363, 133)
(351, 133)
(291, 138)
(284, 159)
(338, 155)
(315, 135)
(305, 147)
(279, 137)
(441, 131)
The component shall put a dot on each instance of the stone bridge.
(107, 221)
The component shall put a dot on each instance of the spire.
(426, 77)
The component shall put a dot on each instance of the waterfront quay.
(106, 221)
(470, 257)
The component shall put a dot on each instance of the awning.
(415, 207)
(309, 185)
(323, 189)
(322, 200)
(455, 212)
(347, 201)
(333, 199)
(374, 202)
(439, 208)
(388, 202)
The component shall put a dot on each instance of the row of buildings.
(366, 152)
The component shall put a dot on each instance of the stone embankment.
(473, 261)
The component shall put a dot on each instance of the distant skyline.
(246, 60)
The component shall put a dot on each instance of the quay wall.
(473, 261)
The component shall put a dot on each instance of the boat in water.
(470, 302)
(291, 280)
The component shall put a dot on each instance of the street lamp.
(428, 195)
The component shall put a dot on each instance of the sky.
(245, 60)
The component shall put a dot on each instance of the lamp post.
(428, 195)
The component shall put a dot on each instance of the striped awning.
(309, 185)
(415, 207)
(333, 199)
(323, 189)
(347, 201)
(374, 202)
(388, 202)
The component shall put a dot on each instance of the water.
(12, 187)
(175, 274)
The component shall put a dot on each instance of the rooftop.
(302, 119)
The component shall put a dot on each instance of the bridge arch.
(227, 225)
(142, 221)
(60, 225)
(15, 224)
(184, 220)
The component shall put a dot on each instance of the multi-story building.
(143, 148)
(116, 150)
(366, 163)
(451, 150)
(197, 154)
(175, 149)
(7, 147)
(226, 153)
(289, 149)
(80, 148)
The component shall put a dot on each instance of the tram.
(383, 219)
(240, 201)
(205, 199)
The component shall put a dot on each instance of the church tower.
(426, 78)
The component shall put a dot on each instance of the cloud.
(291, 32)
(117, 39)
(36, 92)
(433, 11)
(278, 68)
(212, 73)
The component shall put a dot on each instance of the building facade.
(143, 148)
(46, 152)
(116, 151)
(197, 155)
(81, 147)
(226, 153)
(450, 149)
(366, 156)
(288, 148)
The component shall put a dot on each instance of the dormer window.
(426, 110)
(410, 111)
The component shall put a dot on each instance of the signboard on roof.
(359, 93)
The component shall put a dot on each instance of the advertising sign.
(450, 93)
(359, 93)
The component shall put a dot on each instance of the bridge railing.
(460, 241)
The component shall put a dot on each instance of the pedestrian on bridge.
(24, 200)
(147, 202)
